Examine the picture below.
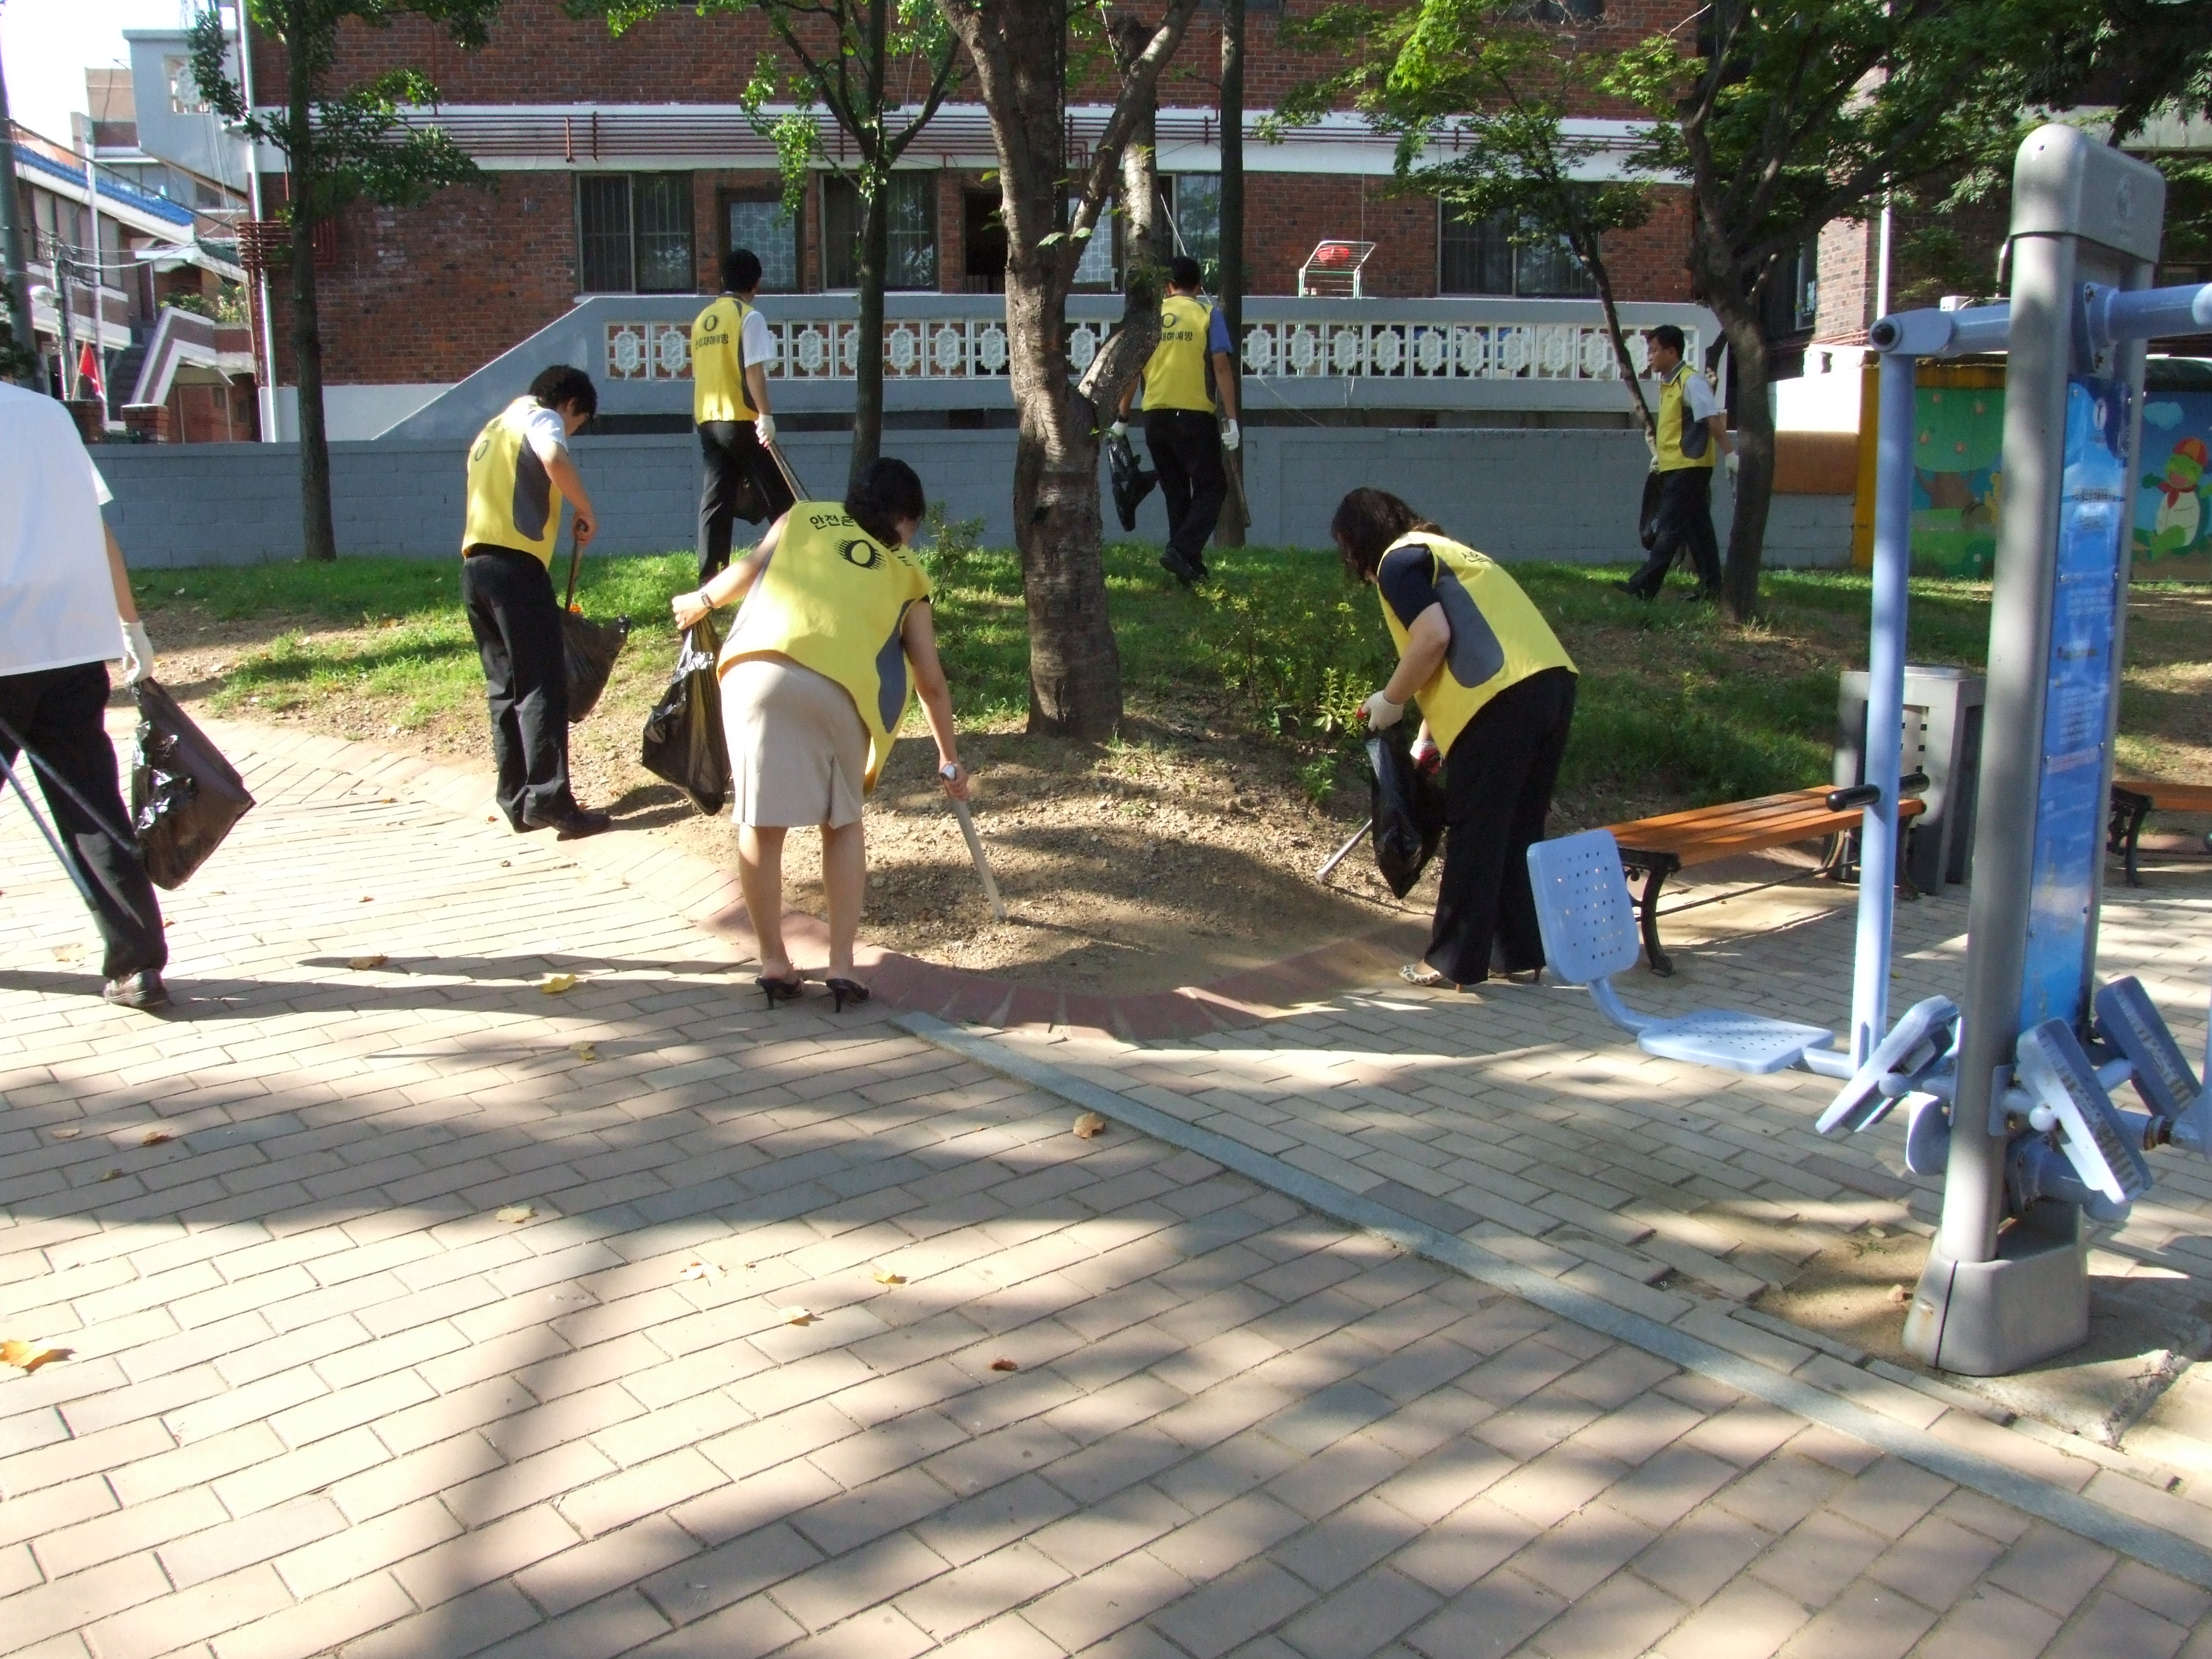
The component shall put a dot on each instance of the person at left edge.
(66, 612)
(731, 350)
(1179, 428)
(520, 473)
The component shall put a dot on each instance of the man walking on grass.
(1179, 423)
(65, 613)
(731, 350)
(518, 475)
(1693, 433)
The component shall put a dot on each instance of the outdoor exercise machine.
(2007, 1089)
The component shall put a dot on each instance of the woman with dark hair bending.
(834, 634)
(1497, 694)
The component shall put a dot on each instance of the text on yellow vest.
(1175, 375)
(1683, 441)
(834, 600)
(1498, 637)
(718, 363)
(513, 502)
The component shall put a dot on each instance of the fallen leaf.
(29, 1356)
(67, 1134)
(156, 1137)
(796, 1316)
(516, 1212)
(586, 1051)
(368, 898)
(362, 964)
(1003, 1365)
(1899, 1294)
(1090, 1126)
(112, 1175)
(554, 984)
(885, 1276)
(705, 1271)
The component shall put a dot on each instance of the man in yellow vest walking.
(518, 475)
(731, 350)
(1692, 434)
(1179, 424)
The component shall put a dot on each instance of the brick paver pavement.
(1046, 1395)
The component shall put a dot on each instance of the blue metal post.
(1885, 707)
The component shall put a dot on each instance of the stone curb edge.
(2152, 1545)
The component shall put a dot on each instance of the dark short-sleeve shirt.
(1407, 577)
(1217, 332)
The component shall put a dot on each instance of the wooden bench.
(1658, 848)
(2135, 799)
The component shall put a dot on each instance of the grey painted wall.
(1516, 495)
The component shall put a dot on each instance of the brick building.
(624, 165)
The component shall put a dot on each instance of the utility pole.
(11, 242)
(1231, 290)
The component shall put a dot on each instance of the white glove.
(1733, 462)
(137, 653)
(1381, 712)
(764, 426)
(1426, 756)
(1231, 437)
(1119, 429)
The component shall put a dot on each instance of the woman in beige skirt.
(834, 634)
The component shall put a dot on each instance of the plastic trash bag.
(1131, 482)
(1647, 516)
(184, 796)
(589, 649)
(684, 739)
(1408, 810)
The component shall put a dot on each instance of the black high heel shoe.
(843, 991)
(780, 990)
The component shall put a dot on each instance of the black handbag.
(588, 648)
(683, 741)
(184, 796)
(1406, 810)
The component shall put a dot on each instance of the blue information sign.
(2081, 681)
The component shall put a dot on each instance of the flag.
(88, 373)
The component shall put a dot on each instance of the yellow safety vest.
(834, 599)
(512, 502)
(1498, 637)
(718, 363)
(1675, 421)
(1175, 377)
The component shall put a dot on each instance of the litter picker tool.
(790, 478)
(69, 870)
(982, 865)
(1344, 851)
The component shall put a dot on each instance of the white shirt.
(546, 433)
(56, 598)
(756, 341)
(1697, 394)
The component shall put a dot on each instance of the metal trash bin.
(1943, 739)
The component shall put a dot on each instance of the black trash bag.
(1131, 482)
(588, 649)
(184, 796)
(684, 739)
(1407, 811)
(1647, 516)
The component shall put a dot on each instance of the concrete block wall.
(1531, 493)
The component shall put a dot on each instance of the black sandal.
(780, 990)
(844, 991)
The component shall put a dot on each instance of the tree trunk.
(1594, 262)
(1125, 354)
(317, 539)
(1754, 443)
(1230, 284)
(868, 367)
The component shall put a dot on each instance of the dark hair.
(741, 271)
(1184, 271)
(1671, 336)
(886, 492)
(1367, 524)
(562, 385)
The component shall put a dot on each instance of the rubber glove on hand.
(1733, 462)
(1427, 756)
(1231, 437)
(137, 653)
(1381, 714)
(1119, 429)
(764, 427)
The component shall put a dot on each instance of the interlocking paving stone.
(323, 1399)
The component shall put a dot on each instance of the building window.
(184, 92)
(1490, 255)
(760, 223)
(1790, 298)
(1194, 204)
(912, 256)
(634, 233)
(1100, 267)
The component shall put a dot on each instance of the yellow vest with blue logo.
(1498, 637)
(1676, 425)
(1175, 377)
(834, 600)
(513, 502)
(718, 365)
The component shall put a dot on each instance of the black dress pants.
(742, 480)
(59, 712)
(1186, 447)
(1499, 779)
(517, 624)
(1685, 518)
